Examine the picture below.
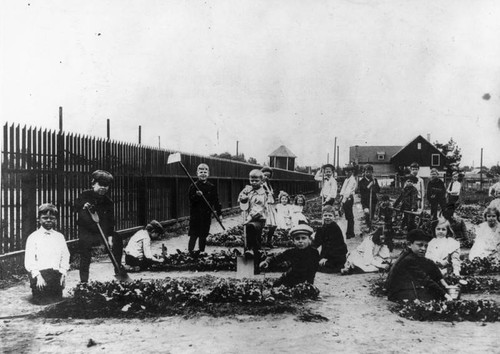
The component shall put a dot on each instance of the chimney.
(429, 137)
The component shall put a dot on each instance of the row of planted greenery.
(191, 296)
(452, 311)
(204, 262)
(233, 237)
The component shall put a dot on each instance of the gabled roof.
(282, 151)
(422, 138)
(369, 153)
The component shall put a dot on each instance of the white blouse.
(444, 250)
(487, 242)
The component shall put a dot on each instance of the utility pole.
(335, 152)
(60, 119)
(108, 129)
(237, 142)
(481, 171)
(139, 135)
(327, 157)
(337, 156)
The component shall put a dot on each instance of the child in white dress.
(443, 249)
(284, 211)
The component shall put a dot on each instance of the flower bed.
(480, 266)
(233, 237)
(471, 212)
(207, 262)
(180, 296)
(449, 311)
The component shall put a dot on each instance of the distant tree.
(303, 169)
(453, 155)
(252, 160)
(466, 168)
(226, 155)
(495, 170)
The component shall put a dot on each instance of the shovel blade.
(244, 267)
(122, 276)
(176, 157)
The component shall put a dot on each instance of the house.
(377, 156)
(282, 158)
(389, 160)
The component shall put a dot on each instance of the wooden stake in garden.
(173, 158)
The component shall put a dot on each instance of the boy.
(419, 185)
(138, 251)
(329, 187)
(453, 191)
(347, 199)
(368, 186)
(200, 213)
(413, 276)
(253, 201)
(333, 248)
(303, 258)
(46, 258)
(436, 194)
(97, 201)
(409, 202)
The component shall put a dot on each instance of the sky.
(198, 76)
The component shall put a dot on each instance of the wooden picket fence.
(42, 166)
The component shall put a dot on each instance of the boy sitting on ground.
(333, 248)
(138, 251)
(46, 258)
(413, 276)
(303, 258)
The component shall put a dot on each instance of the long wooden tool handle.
(205, 199)
(95, 217)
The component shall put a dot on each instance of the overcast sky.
(204, 74)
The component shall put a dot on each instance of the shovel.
(120, 273)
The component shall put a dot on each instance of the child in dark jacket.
(436, 193)
(96, 200)
(303, 258)
(413, 276)
(409, 202)
(333, 248)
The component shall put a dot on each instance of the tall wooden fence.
(41, 166)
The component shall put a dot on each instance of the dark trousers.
(254, 241)
(408, 221)
(202, 241)
(349, 217)
(52, 291)
(86, 245)
(143, 263)
(434, 207)
(333, 265)
(452, 202)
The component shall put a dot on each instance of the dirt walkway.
(358, 323)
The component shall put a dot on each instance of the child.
(385, 212)
(297, 211)
(97, 201)
(46, 258)
(303, 258)
(253, 201)
(436, 193)
(138, 251)
(329, 187)
(271, 221)
(368, 186)
(413, 276)
(409, 202)
(283, 211)
(453, 191)
(487, 242)
(333, 248)
(347, 199)
(443, 249)
(372, 255)
(419, 185)
(494, 192)
(200, 214)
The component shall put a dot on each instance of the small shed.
(421, 151)
(282, 158)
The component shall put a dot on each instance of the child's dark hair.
(104, 178)
(412, 178)
(48, 208)
(155, 226)
(297, 197)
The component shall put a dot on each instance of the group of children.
(417, 273)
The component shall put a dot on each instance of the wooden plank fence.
(41, 166)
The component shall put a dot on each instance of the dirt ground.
(357, 323)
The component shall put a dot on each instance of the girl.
(443, 249)
(487, 242)
(297, 210)
(372, 255)
(283, 211)
(138, 251)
